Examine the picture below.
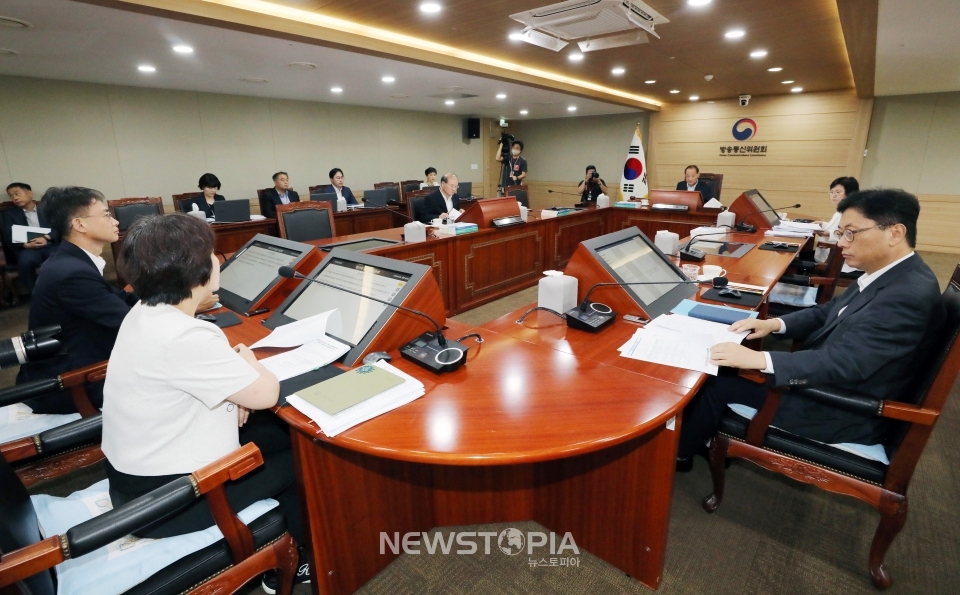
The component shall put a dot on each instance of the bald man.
(442, 201)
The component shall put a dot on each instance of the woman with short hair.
(209, 185)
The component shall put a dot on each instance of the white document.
(719, 333)
(454, 214)
(303, 331)
(388, 400)
(787, 233)
(309, 356)
(691, 352)
(19, 233)
(713, 204)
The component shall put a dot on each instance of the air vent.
(453, 96)
(251, 79)
(6, 52)
(588, 19)
(302, 65)
(11, 23)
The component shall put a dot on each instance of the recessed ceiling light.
(302, 65)
(501, 95)
(430, 7)
(515, 36)
(524, 112)
(674, 91)
(253, 79)
(575, 57)
(572, 108)
(650, 82)
(183, 49)
(711, 101)
(775, 69)
(618, 70)
(694, 98)
(146, 68)
(388, 79)
(11, 23)
(734, 34)
(796, 89)
(788, 82)
(6, 52)
(758, 54)
(698, 2)
(336, 89)
(449, 102)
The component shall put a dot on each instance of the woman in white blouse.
(177, 396)
(840, 189)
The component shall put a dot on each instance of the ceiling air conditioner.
(591, 20)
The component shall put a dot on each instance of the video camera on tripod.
(506, 141)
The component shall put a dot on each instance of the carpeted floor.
(770, 535)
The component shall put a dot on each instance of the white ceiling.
(918, 47)
(82, 42)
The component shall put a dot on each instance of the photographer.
(592, 186)
(515, 169)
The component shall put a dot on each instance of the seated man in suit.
(691, 181)
(443, 200)
(336, 187)
(868, 339)
(280, 194)
(34, 253)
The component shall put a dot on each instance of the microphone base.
(596, 317)
(427, 353)
(692, 255)
(745, 228)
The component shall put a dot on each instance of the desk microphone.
(746, 227)
(432, 351)
(593, 316)
(693, 254)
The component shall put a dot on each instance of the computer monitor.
(376, 198)
(360, 318)
(250, 275)
(330, 197)
(465, 190)
(360, 245)
(231, 211)
(630, 257)
(762, 205)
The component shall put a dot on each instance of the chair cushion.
(19, 421)
(307, 224)
(126, 562)
(735, 426)
(127, 215)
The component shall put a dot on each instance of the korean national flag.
(633, 184)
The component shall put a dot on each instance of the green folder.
(346, 390)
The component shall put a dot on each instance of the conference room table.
(541, 423)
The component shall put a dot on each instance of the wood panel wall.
(811, 139)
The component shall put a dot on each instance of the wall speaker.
(473, 127)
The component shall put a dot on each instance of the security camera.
(744, 100)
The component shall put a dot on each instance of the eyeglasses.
(851, 234)
(106, 215)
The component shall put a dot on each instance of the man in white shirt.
(691, 181)
(869, 339)
(443, 203)
(336, 186)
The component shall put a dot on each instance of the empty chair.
(305, 221)
(518, 192)
(127, 210)
(716, 184)
(181, 202)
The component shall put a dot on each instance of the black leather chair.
(884, 487)
(304, 221)
(518, 192)
(127, 210)
(244, 553)
(417, 204)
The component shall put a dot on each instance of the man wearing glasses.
(444, 201)
(868, 339)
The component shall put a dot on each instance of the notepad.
(346, 390)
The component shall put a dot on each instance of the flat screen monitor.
(248, 276)
(360, 318)
(360, 245)
(630, 257)
(762, 205)
(465, 190)
(330, 197)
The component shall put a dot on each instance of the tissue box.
(557, 291)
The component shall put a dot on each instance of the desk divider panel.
(484, 211)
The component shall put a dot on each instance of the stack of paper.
(325, 412)
(300, 332)
(455, 229)
(310, 356)
(794, 229)
(679, 341)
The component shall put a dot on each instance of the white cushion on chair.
(19, 421)
(126, 562)
(873, 452)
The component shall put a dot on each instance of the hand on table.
(733, 355)
(759, 328)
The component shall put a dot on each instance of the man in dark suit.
(442, 200)
(30, 255)
(280, 194)
(691, 181)
(868, 339)
(336, 187)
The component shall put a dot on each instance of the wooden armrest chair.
(882, 486)
(518, 192)
(825, 280)
(181, 202)
(715, 180)
(408, 186)
(27, 561)
(416, 201)
(127, 210)
(63, 449)
(305, 221)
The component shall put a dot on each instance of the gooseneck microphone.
(439, 354)
(746, 227)
(694, 255)
(593, 316)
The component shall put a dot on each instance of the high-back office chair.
(304, 221)
(127, 210)
(244, 553)
(416, 200)
(518, 192)
(316, 189)
(181, 202)
(393, 196)
(716, 182)
(884, 487)
(407, 186)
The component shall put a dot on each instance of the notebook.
(346, 390)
